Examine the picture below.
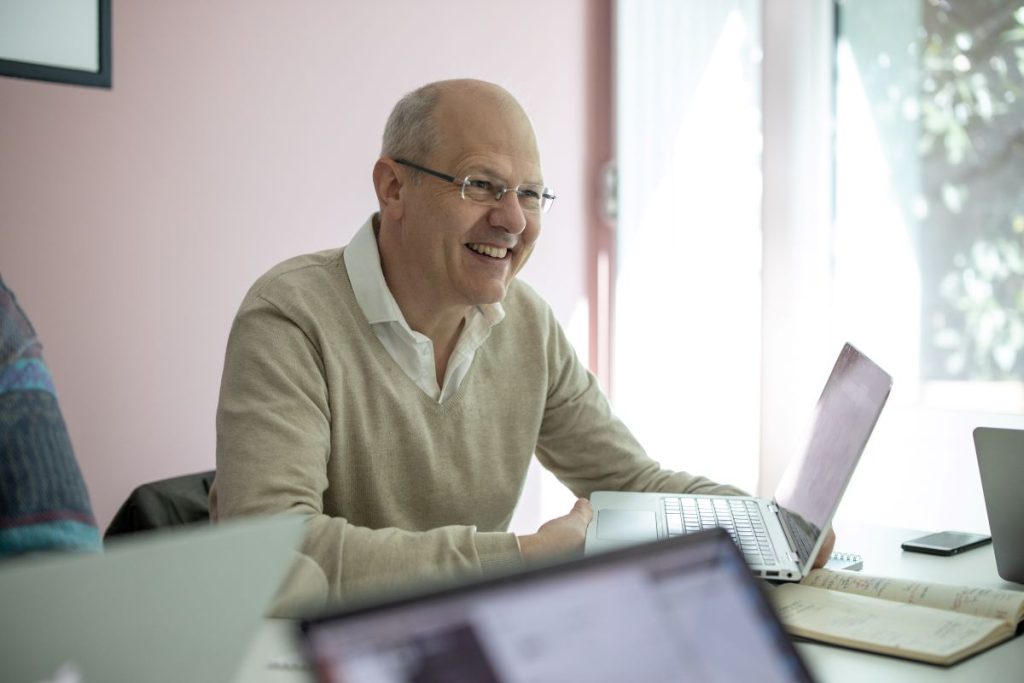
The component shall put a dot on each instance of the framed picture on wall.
(64, 41)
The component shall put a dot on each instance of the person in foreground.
(395, 390)
(44, 504)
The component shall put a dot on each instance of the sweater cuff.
(498, 552)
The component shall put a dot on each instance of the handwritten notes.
(988, 602)
(913, 619)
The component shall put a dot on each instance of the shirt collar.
(362, 260)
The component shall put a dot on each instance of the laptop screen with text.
(676, 610)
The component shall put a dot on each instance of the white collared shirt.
(413, 351)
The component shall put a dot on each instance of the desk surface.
(274, 646)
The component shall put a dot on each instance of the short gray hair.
(411, 131)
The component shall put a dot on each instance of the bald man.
(395, 390)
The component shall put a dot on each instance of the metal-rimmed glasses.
(480, 188)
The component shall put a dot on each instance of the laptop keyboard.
(741, 518)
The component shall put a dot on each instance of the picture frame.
(61, 41)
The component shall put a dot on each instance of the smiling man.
(394, 391)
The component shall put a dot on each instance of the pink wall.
(239, 133)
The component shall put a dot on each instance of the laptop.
(1001, 464)
(678, 610)
(175, 605)
(781, 537)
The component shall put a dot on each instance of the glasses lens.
(481, 189)
(532, 198)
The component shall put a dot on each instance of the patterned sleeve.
(44, 504)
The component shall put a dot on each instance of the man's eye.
(529, 193)
(481, 184)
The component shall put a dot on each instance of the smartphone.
(946, 543)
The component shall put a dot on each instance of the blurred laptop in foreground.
(1001, 465)
(685, 609)
(174, 605)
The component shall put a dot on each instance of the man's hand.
(826, 549)
(561, 538)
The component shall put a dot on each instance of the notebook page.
(884, 626)
(988, 602)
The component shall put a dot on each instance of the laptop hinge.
(790, 555)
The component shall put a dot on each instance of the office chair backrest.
(168, 502)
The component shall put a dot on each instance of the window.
(928, 244)
(686, 352)
(930, 156)
(796, 175)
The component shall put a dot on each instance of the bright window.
(929, 240)
(746, 258)
(686, 351)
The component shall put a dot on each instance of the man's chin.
(486, 301)
(493, 294)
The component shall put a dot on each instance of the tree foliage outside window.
(972, 148)
(958, 84)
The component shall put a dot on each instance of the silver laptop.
(1001, 464)
(678, 610)
(174, 605)
(779, 537)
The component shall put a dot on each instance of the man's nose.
(509, 214)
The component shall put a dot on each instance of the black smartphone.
(946, 543)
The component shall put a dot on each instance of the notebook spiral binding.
(847, 561)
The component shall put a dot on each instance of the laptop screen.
(178, 604)
(814, 482)
(1001, 465)
(676, 610)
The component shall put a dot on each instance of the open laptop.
(1001, 464)
(779, 537)
(678, 610)
(174, 605)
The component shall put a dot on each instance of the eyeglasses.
(532, 198)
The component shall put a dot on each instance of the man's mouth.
(488, 250)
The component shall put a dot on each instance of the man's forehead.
(479, 96)
(488, 136)
(483, 114)
(498, 167)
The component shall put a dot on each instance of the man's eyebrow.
(496, 175)
(484, 170)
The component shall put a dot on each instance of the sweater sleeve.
(586, 446)
(273, 444)
(44, 503)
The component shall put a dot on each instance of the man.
(44, 505)
(394, 391)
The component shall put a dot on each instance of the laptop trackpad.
(626, 525)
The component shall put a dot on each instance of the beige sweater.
(316, 418)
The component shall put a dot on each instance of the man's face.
(467, 253)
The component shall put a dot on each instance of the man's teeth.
(487, 250)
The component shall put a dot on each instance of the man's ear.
(388, 183)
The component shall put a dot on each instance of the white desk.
(880, 547)
(274, 644)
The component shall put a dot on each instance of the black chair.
(167, 502)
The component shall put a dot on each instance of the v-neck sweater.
(316, 418)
